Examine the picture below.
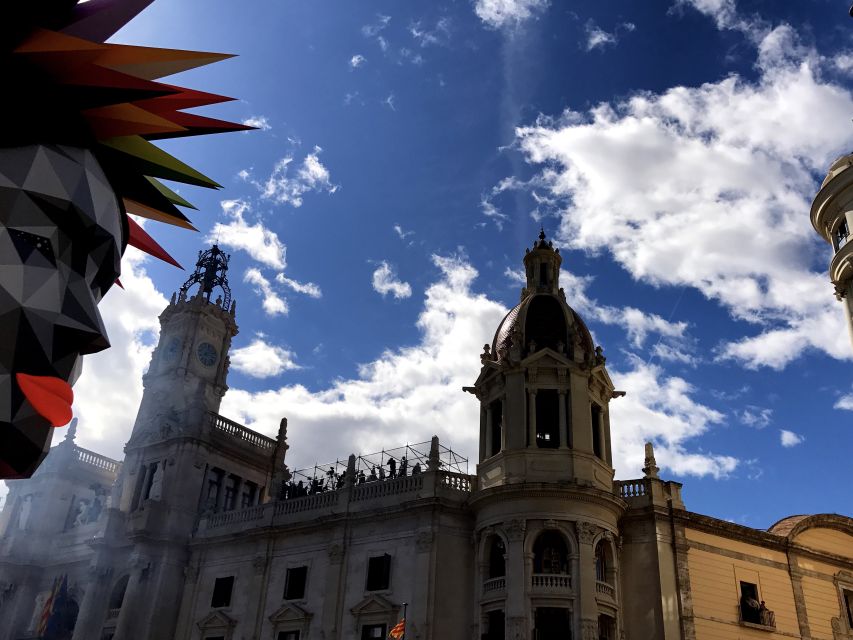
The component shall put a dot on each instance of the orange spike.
(152, 62)
(142, 241)
(145, 211)
(126, 120)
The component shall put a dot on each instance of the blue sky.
(407, 155)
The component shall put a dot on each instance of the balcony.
(604, 589)
(552, 582)
(494, 584)
(764, 621)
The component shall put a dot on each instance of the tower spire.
(211, 271)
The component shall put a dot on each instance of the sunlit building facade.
(202, 532)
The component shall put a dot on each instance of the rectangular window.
(222, 592)
(496, 426)
(848, 604)
(596, 432)
(288, 635)
(750, 605)
(250, 490)
(543, 274)
(547, 419)
(378, 573)
(373, 632)
(294, 586)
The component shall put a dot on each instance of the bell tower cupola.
(187, 375)
(543, 388)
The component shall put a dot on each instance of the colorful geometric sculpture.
(76, 156)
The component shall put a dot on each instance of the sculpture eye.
(32, 249)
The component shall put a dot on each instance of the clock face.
(172, 350)
(207, 354)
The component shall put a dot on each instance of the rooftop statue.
(76, 156)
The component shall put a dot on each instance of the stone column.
(488, 430)
(258, 590)
(517, 625)
(484, 435)
(90, 620)
(333, 604)
(586, 581)
(564, 430)
(127, 625)
(422, 602)
(531, 418)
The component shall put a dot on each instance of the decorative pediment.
(374, 604)
(545, 358)
(216, 620)
(290, 613)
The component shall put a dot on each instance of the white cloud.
(412, 393)
(107, 395)
(389, 102)
(273, 304)
(357, 60)
(708, 187)
(493, 213)
(372, 30)
(385, 281)
(401, 233)
(259, 122)
(723, 12)
(438, 35)
(598, 38)
(255, 239)
(757, 417)
(262, 360)
(311, 176)
(499, 14)
(789, 438)
(308, 288)
(844, 403)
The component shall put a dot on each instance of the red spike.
(118, 282)
(142, 241)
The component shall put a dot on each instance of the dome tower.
(832, 218)
(543, 389)
(546, 515)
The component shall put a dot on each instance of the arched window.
(497, 562)
(550, 554)
(546, 323)
(117, 594)
(604, 565)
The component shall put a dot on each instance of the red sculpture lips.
(51, 397)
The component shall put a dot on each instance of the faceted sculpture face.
(61, 238)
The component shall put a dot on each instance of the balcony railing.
(552, 581)
(605, 589)
(404, 484)
(238, 431)
(766, 620)
(96, 460)
(494, 584)
(458, 481)
(630, 488)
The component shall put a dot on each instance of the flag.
(47, 609)
(399, 630)
(57, 621)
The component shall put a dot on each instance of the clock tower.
(187, 375)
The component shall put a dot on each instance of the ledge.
(760, 627)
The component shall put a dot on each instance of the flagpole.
(405, 622)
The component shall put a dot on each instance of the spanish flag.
(47, 609)
(398, 631)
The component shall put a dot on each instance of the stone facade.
(832, 218)
(203, 533)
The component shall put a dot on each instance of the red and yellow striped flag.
(47, 610)
(399, 630)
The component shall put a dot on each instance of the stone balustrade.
(552, 581)
(239, 515)
(494, 584)
(307, 503)
(241, 433)
(405, 484)
(457, 481)
(605, 589)
(96, 460)
(630, 488)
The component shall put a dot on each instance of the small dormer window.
(544, 280)
(841, 234)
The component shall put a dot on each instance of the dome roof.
(547, 320)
